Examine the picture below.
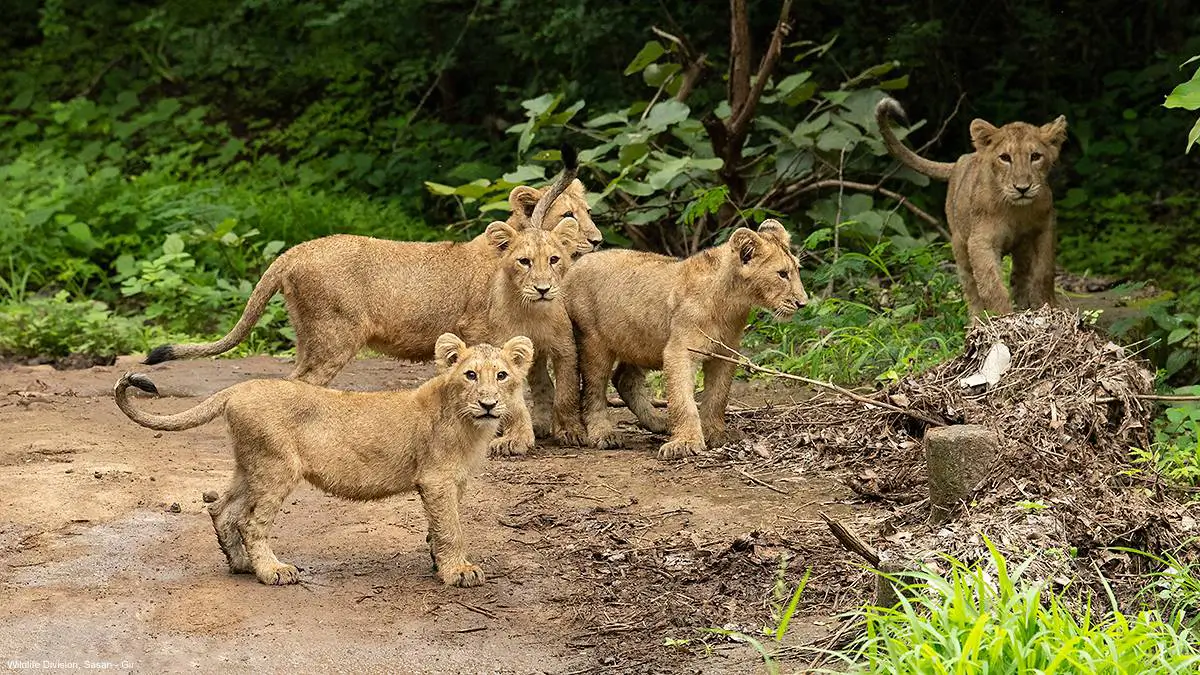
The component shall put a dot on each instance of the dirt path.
(594, 558)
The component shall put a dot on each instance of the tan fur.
(525, 298)
(646, 311)
(998, 202)
(355, 445)
(346, 292)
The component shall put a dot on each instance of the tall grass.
(972, 620)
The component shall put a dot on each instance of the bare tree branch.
(739, 56)
(741, 118)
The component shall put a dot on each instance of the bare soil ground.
(594, 558)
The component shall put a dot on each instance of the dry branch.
(851, 541)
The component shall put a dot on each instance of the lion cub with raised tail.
(647, 311)
(998, 202)
(355, 445)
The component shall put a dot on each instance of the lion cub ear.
(448, 350)
(1055, 133)
(982, 132)
(567, 234)
(500, 235)
(523, 199)
(773, 229)
(745, 242)
(519, 351)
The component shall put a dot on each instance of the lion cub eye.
(569, 214)
(1035, 156)
(524, 261)
(501, 376)
(1006, 158)
(553, 260)
(783, 274)
(471, 375)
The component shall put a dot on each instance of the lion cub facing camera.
(355, 445)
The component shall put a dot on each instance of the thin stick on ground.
(1148, 397)
(763, 483)
(750, 365)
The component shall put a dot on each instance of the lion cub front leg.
(985, 267)
(543, 394)
(718, 376)
(687, 437)
(568, 428)
(516, 432)
(440, 499)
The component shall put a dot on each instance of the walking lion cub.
(648, 311)
(355, 445)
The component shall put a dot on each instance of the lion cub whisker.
(355, 445)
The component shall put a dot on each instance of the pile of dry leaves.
(1067, 404)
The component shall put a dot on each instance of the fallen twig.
(851, 541)
(763, 483)
(750, 365)
(1147, 397)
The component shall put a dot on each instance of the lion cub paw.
(509, 447)
(719, 437)
(281, 574)
(463, 576)
(606, 441)
(571, 434)
(542, 428)
(680, 449)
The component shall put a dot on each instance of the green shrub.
(974, 620)
(56, 327)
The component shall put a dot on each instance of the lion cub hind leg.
(595, 367)
(270, 479)
(323, 349)
(687, 437)
(226, 513)
(630, 383)
(440, 499)
(541, 390)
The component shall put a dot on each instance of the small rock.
(151, 479)
(158, 434)
(176, 508)
(98, 474)
(210, 496)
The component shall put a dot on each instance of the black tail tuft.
(890, 107)
(142, 382)
(570, 157)
(159, 354)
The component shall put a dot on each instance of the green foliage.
(894, 310)
(658, 153)
(1187, 96)
(1175, 453)
(56, 327)
(979, 620)
(783, 610)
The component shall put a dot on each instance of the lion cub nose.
(487, 404)
(1022, 188)
(543, 290)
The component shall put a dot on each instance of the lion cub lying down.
(646, 311)
(355, 445)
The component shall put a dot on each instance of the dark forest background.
(155, 156)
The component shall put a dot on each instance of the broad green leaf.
(708, 163)
(499, 205)
(1186, 95)
(633, 152)
(1193, 136)
(664, 114)
(173, 244)
(723, 111)
(272, 249)
(80, 232)
(475, 189)
(22, 100)
(592, 154)
(644, 216)
(439, 189)
(898, 83)
(525, 173)
(542, 104)
(1178, 335)
(607, 119)
(565, 116)
(657, 73)
(635, 188)
(789, 84)
(667, 172)
(648, 54)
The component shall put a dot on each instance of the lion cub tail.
(570, 170)
(888, 109)
(267, 287)
(205, 412)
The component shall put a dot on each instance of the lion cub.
(355, 445)
(646, 311)
(998, 202)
